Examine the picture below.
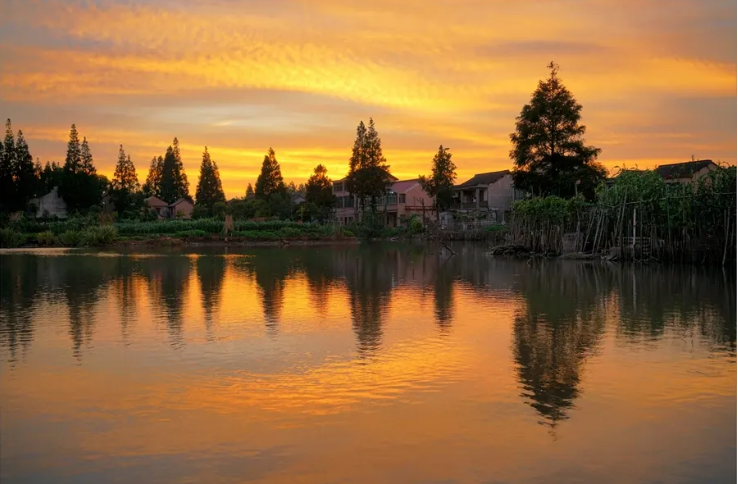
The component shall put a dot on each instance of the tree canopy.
(549, 151)
(81, 188)
(173, 184)
(368, 170)
(124, 187)
(270, 181)
(440, 184)
(319, 194)
(209, 187)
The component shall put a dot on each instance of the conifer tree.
(270, 179)
(440, 184)
(249, 191)
(7, 168)
(81, 188)
(152, 186)
(209, 188)
(319, 197)
(369, 174)
(124, 186)
(174, 183)
(24, 173)
(549, 153)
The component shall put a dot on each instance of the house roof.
(483, 179)
(403, 186)
(686, 169)
(156, 202)
(391, 177)
(181, 200)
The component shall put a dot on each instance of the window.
(402, 198)
(337, 187)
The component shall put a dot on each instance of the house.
(491, 193)
(686, 172)
(50, 205)
(170, 210)
(297, 198)
(402, 198)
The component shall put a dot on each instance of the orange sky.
(657, 79)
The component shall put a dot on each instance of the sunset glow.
(298, 75)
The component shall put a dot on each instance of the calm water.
(363, 365)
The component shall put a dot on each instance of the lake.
(363, 364)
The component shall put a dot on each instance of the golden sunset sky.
(657, 79)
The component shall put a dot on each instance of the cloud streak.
(299, 75)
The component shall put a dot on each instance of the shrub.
(190, 233)
(70, 238)
(10, 238)
(348, 233)
(290, 232)
(46, 238)
(199, 212)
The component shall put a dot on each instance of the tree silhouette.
(209, 187)
(440, 184)
(549, 153)
(125, 185)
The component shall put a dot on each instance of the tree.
(440, 184)
(152, 185)
(249, 191)
(125, 186)
(81, 188)
(51, 176)
(368, 171)
(24, 173)
(7, 169)
(270, 180)
(174, 183)
(549, 153)
(209, 188)
(319, 194)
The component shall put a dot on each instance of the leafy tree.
(124, 187)
(81, 187)
(249, 191)
(549, 153)
(152, 185)
(319, 194)
(51, 176)
(209, 188)
(368, 171)
(440, 184)
(270, 180)
(24, 173)
(7, 169)
(174, 183)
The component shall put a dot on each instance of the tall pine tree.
(249, 191)
(124, 186)
(369, 174)
(81, 188)
(441, 182)
(174, 183)
(270, 181)
(24, 173)
(209, 188)
(152, 186)
(549, 153)
(7, 169)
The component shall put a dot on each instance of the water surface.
(380, 363)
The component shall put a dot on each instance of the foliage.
(200, 211)
(549, 153)
(10, 238)
(219, 210)
(46, 238)
(97, 236)
(319, 197)
(70, 238)
(81, 188)
(125, 186)
(440, 184)
(209, 187)
(190, 233)
(174, 184)
(19, 176)
(369, 174)
(152, 186)
(270, 182)
(7, 166)
(249, 191)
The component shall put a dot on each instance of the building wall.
(51, 203)
(184, 207)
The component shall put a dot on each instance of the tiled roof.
(483, 179)
(403, 186)
(682, 170)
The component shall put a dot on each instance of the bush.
(46, 238)
(416, 225)
(102, 235)
(70, 238)
(219, 210)
(190, 233)
(10, 238)
(199, 212)
(290, 232)
(348, 233)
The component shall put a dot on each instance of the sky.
(657, 79)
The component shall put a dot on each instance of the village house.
(50, 205)
(182, 208)
(402, 199)
(685, 172)
(490, 194)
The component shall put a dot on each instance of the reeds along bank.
(639, 217)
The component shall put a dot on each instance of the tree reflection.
(559, 326)
(168, 278)
(19, 287)
(210, 273)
